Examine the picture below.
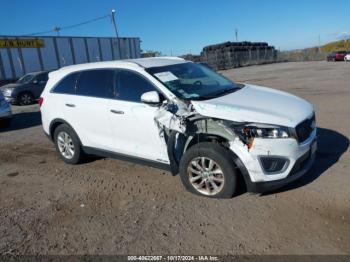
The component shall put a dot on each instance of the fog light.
(272, 164)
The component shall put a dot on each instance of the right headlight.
(264, 131)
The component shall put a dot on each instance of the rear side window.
(96, 83)
(67, 84)
(130, 86)
(42, 78)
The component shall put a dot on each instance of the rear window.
(67, 84)
(96, 83)
(42, 77)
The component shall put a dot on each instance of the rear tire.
(68, 145)
(207, 169)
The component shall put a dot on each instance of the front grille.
(304, 129)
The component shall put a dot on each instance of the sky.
(176, 27)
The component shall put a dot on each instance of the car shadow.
(331, 146)
(22, 121)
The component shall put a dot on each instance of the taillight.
(41, 101)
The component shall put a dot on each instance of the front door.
(132, 122)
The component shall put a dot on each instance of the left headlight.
(264, 132)
(8, 91)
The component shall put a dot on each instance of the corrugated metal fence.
(62, 51)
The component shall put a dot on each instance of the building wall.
(63, 51)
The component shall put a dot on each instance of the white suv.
(181, 116)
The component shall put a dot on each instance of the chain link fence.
(302, 55)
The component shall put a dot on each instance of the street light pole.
(114, 23)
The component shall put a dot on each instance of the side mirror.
(151, 98)
(35, 81)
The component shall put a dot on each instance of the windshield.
(191, 81)
(26, 78)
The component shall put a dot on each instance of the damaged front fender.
(182, 127)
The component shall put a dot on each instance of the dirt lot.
(113, 207)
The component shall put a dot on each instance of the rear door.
(132, 122)
(89, 108)
(83, 98)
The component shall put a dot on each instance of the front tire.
(68, 145)
(25, 99)
(207, 169)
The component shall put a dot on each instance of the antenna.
(236, 34)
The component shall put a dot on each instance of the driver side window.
(130, 86)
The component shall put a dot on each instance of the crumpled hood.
(257, 104)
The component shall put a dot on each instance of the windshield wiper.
(217, 94)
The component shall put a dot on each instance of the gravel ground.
(108, 206)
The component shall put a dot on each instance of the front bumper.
(5, 112)
(301, 167)
(300, 156)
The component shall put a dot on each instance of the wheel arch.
(224, 141)
(23, 91)
(57, 122)
(184, 144)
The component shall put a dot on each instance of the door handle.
(70, 105)
(117, 112)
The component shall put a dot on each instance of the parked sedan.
(5, 111)
(336, 56)
(27, 89)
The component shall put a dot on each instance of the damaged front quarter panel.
(181, 126)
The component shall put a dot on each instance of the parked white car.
(183, 117)
(347, 57)
(5, 111)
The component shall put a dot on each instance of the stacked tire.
(234, 54)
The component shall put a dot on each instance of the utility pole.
(319, 43)
(236, 34)
(114, 23)
(57, 30)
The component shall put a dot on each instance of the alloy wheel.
(206, 176)
(65, 145)
(26, 99)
